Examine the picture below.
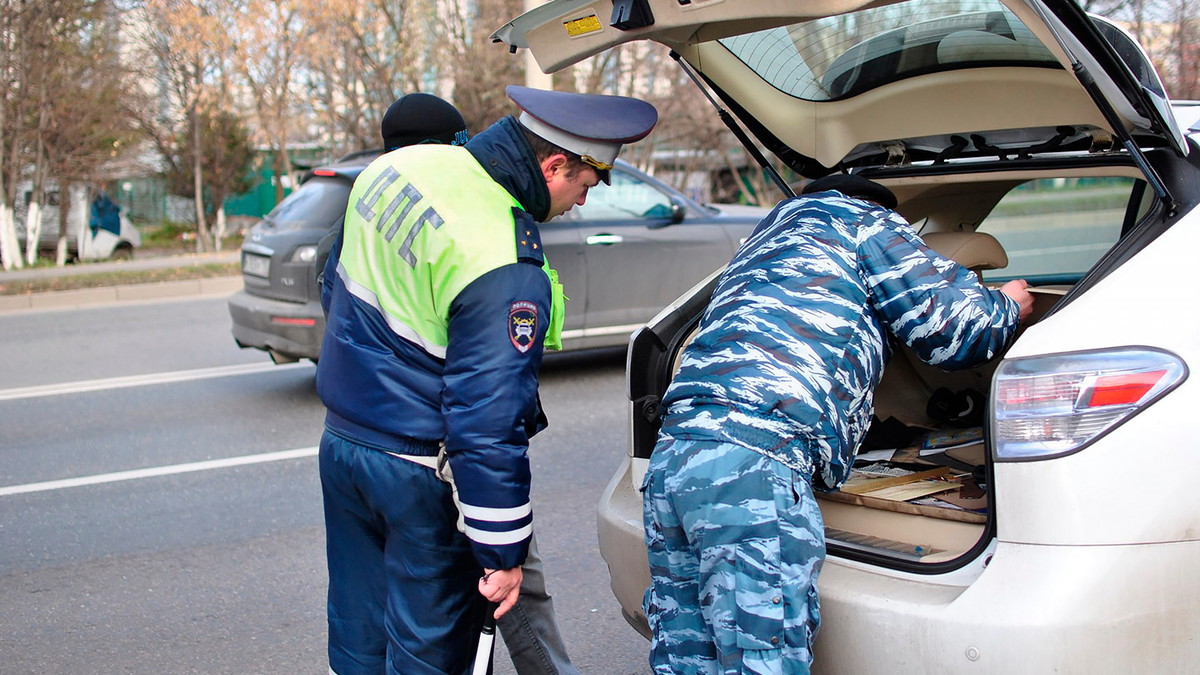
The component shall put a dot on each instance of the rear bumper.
(623, 545)
(285, 329)
(1017, 608)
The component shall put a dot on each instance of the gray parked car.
(633, 247)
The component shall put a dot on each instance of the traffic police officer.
(439, 311)
(774, 394)
(530, 629)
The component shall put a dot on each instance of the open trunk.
(1056, 229)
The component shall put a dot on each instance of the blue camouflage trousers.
(735, 543)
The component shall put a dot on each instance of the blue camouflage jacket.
(792, 345)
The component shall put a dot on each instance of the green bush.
(171, 235)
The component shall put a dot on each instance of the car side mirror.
(678, 210)
(671, 215)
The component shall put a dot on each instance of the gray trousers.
(530, 629)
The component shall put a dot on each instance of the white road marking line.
(143, 380)
(157, 471)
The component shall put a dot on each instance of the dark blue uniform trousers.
(403, 595)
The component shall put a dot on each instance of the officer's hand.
(502, 586)
(1015, 289)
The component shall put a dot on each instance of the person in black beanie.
(419, 118)
(412, 119)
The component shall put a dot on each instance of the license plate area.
(256, 265)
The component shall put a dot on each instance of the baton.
(487, 636)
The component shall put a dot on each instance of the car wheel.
(122, 253)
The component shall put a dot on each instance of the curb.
(90, 297)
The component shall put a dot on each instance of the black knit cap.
(853, 186)
(419, 117)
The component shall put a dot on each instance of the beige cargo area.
(926, 530)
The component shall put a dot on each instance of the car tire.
(122, 253)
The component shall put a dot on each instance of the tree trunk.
(33, 230)
(198, 184)
(10, 254)
(280, 166)
(33, 219)
(83, 237)
(10, 249)
(219, 232)
(64, 209)
(8, 217)
(287, 163)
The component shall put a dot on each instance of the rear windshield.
(316, 205)
(842, 56)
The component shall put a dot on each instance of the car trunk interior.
(942, 526)
(928, 529)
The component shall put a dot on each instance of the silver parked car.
(1047, 520)
(634, 246)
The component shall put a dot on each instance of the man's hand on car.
(502, 586)
(1015, 289)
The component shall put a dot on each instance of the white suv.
(1023, 138)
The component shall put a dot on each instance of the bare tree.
(479, 69)
(12, 86)
(366, 53)
(61, 48)
(225, 159)
(271, 37)
(189, 43)
(1184, 77)
(38, 24)
(87, 125)
(689, 139)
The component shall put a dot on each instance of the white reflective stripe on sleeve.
(492, 515)
(398, 327)
(488, 538)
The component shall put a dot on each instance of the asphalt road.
(150, 524)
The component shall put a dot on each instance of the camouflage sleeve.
(934, 305)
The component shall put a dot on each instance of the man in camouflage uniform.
(777, 391)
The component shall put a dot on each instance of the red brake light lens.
(1123, 389)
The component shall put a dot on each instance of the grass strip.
(119, 278)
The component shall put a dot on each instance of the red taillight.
(288, 321)
(1123, 389)
(324, 172)
(1051, 405)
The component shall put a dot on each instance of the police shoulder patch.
(522, 324)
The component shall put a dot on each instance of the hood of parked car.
(840, 84)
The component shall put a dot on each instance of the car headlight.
(1047, 406)
(304, 254)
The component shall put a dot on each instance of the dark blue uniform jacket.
(386, 392)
